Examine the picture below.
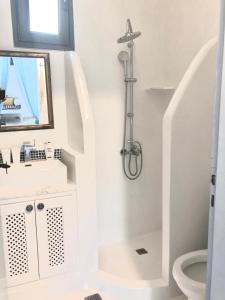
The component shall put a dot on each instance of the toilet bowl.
(190, 272)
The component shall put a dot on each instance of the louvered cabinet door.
(18, 231)
(55, 232)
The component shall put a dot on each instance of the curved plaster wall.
(81, 140)
(187, 142)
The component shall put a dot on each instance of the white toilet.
(190, 273)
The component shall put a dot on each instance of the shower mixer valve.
(135, 149)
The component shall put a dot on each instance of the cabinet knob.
(29, 208)
(40, 206)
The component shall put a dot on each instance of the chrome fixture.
(129, 35)
(5, 166)
(132, 155)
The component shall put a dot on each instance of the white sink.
(34, 174)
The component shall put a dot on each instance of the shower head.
(129, 35)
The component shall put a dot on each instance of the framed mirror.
(25, 91)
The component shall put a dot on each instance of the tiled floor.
(180, 298)
(80, 295)
(121, 259)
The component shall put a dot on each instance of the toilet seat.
(191, 288)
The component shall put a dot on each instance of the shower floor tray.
(139, 258)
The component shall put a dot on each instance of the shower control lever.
(135, 150)
(124, 152)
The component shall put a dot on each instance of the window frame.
(25, 38)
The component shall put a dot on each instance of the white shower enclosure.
(139, 267)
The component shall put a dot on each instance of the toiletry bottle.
(49, 151)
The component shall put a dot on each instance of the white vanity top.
(34, 179)
(7, 193)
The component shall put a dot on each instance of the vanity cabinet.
(38, 238)
(55, 235)
(18, 237)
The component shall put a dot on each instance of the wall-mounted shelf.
(161, 89)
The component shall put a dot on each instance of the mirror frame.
(46, 57)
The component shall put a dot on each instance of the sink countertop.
(13, 193)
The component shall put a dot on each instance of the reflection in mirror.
(25, 91)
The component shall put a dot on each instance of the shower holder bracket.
(130, 115)
(130, 80)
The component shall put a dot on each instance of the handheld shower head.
(123, 58)
(129, 35)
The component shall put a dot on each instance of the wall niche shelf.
(161, 89)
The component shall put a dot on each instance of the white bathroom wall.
(124, 208)
(59, 134)
(189, 25)
(74, 117)
(172, 33)
(96, 28)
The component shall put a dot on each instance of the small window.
(43, 24)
